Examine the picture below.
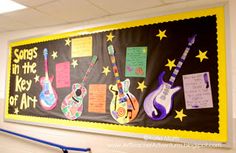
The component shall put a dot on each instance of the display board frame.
(160, 134)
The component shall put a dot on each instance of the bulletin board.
(161, 76)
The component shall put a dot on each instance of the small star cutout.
(106, 70)
(170, 64)
(202, 55)
(161, 34)
(74, 63)
(68, 41)
(180, 115)
(54, 55)
(36, 78)
(16, 111)
(141, 86)
(110, 37)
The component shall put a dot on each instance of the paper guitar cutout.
(159, 102)
(48, 96)
(124, 107)
(72, 106)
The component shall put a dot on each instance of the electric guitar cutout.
(72, 105)
(159, 102)
(48, 96)
(124, 107)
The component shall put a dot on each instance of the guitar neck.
(116, 74)
(93, 61)
(179, 65)
(46, 65)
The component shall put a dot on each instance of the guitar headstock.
(191, 40)
(45, 52)
(111, 50)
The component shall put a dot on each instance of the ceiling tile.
(120, 6)
(173, 1)
(72, 10)
(10, 24)
(34, 18)
(32, 3)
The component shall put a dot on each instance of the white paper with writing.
(197, 91)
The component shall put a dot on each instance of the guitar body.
(48, 96)
(123, 108)
(158, 103)
(72, 105)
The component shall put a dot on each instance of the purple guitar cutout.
(158, 103)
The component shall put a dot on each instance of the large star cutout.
(180, 115)
(36, 78)
(141, 86)
(74, 63)
(106, 70)
(161, 34)
(54, 55)
(110, 37)
(202, 55)
(16, 111)
(68, 41)
(170, 64)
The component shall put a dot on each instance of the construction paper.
(63, 75)
(197, 91)
(136, 59)
(97, 98)
(81, 47)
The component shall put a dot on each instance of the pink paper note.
(63, 75)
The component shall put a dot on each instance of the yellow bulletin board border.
(201, 136)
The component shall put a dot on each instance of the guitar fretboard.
(45, 53)
(111, 52)
(181, 61)
(93, 61)
(116, 74)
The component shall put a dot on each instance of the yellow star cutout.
(74, 63)
(202, 55)
(170, 64)
(68, 41)
(106, 70)
(54, 55)
(36, 78)
(16, 111)
(180, 115)
(161, 34)
(110, 37)
(141, 86)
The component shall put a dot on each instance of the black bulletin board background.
(172, 47)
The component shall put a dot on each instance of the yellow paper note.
(81, 47)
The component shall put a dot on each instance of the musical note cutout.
(197, 91)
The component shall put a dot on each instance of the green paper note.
(136, 59)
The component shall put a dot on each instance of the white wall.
(232, 42)
(100, 143)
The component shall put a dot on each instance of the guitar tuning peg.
(191, 40)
